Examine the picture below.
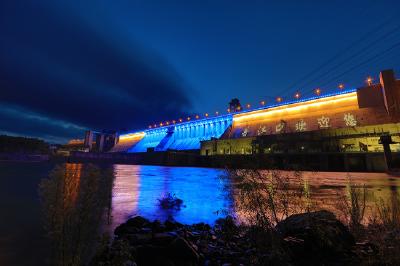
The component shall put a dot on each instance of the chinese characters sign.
(350, 120)
(245, 132)
(323, 122)
(262, 130)
(280, 128)
(301, 125)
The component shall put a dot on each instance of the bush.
(170, 201)
(265, 197)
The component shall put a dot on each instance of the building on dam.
(362, 120)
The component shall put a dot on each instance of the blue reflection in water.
(137, 189)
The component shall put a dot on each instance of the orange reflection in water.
(72, 181)
(330, 190)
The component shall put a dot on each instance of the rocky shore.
(315, 238)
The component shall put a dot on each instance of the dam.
(182, 136)
(365, 120)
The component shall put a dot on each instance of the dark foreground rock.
(306, 239)
(316, 238)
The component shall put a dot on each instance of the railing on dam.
(183, 136)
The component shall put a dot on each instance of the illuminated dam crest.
(184, 136)
(188, 135)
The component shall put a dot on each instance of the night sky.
(67, 66)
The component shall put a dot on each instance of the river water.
(136, 191)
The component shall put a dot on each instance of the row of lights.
(297, 96)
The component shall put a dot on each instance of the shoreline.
(324, 162)
(21, 157)
(313, 238)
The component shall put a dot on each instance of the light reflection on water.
(326, 187)
(137, 190)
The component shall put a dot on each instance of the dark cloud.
(21, 122)
(54, 65)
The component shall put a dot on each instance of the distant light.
(229, 110)
(369, 81)
(248, 105)
(161, 124)
(279, 99)
(155, 125)
(238, 108)
(173, 121)
(167, 123)
(317, 91)
(206, 115)
(180, 119)
(297, 95)
(262, 103)
(188, 118)
(216, 113)
(197, 116)
(341, 86)
(150, 126)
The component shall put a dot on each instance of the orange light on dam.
(132, 136)
(76, 142)
(328, 105)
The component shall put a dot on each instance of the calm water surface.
(136, 192)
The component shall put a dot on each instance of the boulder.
(149, 255)
(315, 237)
(162, 239)
(172, 225)
(182, 249)
(124, 229)
(157, 227)
(138, 239)
(138, 222)
(201, 227)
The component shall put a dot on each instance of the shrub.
(353, 204)
(265, 197)
(170, 201)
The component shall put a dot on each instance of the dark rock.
(201, 227)
(162, 239)
(145, 230)
(226, 227)
(316, 236)
(124, 229)
(172, 225)
(295, 245)
(139, 239)
(367, 248)
(138, 222)
(172, 233)
(149, 255)
(157, 227)
(129, 263)
(180, 248)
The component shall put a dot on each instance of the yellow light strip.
(132, 136)
(296, 107)
(75, 141)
